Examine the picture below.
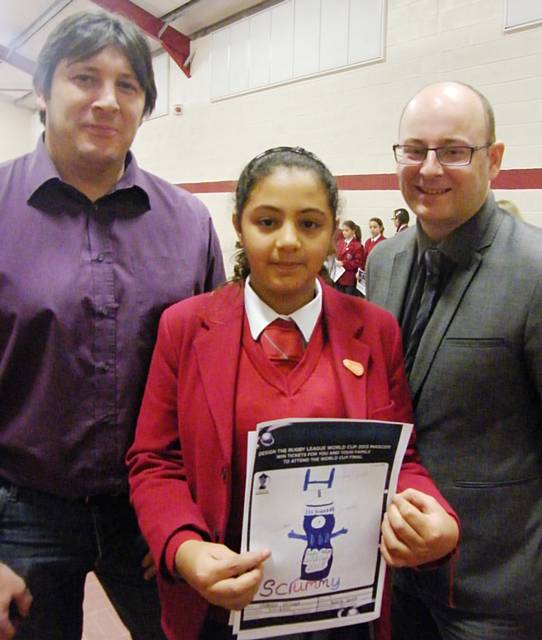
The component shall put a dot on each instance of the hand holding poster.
(335, 270)
(361, 282)
(316, 493)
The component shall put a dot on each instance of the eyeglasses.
(448, 156)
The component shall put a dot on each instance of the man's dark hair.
(82, 36)
(402, 216)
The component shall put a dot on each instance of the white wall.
(16, 131)
(350, 118)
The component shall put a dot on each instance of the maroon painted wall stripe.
(507, 179)
(518, 179)
(221, 186)
(371, 182)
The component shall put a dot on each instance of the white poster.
(316, 493)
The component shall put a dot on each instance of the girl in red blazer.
(350, 256)
(376, 229)
(210, 383)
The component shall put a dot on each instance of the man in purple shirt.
(92, 249)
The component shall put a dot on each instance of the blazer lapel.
(344, 332)
(217, 352)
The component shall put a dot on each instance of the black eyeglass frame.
(437, 151)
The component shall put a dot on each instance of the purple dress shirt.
(82, 287)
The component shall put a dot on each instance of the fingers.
(419, 511)
(220, 575)
(407, 521)
(239, 563)
(12, 590)
(427, 517)
(406, 531)
(236, 593)
(148, 566)
(7, 630)
(23, 602)
(423, 501)
(416, 529)
(222, 563)
(11, 616)
(395, 552)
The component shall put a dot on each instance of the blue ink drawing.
(318, 525)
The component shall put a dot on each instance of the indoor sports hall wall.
(349, 118)
(16, 131)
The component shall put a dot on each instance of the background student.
(400, 220)
(376, 229)
(350, 256)
(275, 343)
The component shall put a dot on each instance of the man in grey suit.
(466, 286)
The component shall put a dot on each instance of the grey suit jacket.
(477, 388)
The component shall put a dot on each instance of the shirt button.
(106, 312)
(102, 367)
(100, 257)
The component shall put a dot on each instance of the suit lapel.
(398, 284)
(440, 321)
(345, 328)
(451, 299)
(393, 272)
(217, 352)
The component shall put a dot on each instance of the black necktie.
(432, 259)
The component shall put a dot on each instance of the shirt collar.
(43, 170)
(259, 314)
(461, 244)
(376, 237)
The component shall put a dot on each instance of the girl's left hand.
(416, 530)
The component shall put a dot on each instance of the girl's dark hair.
(82, 36)
(379, 223)
(355, 228)
(262, 166)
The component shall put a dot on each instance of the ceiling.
(24, 26)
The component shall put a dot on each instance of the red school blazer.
(369, 246)
(180, 463)
(352, 255)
